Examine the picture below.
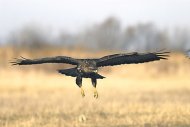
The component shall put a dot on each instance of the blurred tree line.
(108, 35)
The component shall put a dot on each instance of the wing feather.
(130, 58)
(57, 59)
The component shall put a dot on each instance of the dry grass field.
(147, 95)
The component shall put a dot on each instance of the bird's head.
(89, 67)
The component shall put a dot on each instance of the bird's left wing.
(57, 59)
(130, 58)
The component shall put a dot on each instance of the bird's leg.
(94, 82)
(79, 83)
(95, 93)
(82, 92)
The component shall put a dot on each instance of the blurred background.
(152, 94)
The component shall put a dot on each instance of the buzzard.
(88, 68)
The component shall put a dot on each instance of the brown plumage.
(87, 68)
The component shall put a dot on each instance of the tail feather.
(69, 72)
(74, 73)
(98, 76)
(94, 75)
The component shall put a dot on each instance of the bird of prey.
(88, 68)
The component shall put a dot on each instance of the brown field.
(146, 95)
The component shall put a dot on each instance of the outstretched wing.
(130, 58)
(57, 59)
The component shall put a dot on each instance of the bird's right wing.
(57, 59)
(130, 58)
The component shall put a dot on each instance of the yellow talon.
(82, 92)
(95, 93)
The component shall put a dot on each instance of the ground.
(129, 96)
(41, 99)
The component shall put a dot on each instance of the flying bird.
(88, 68)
